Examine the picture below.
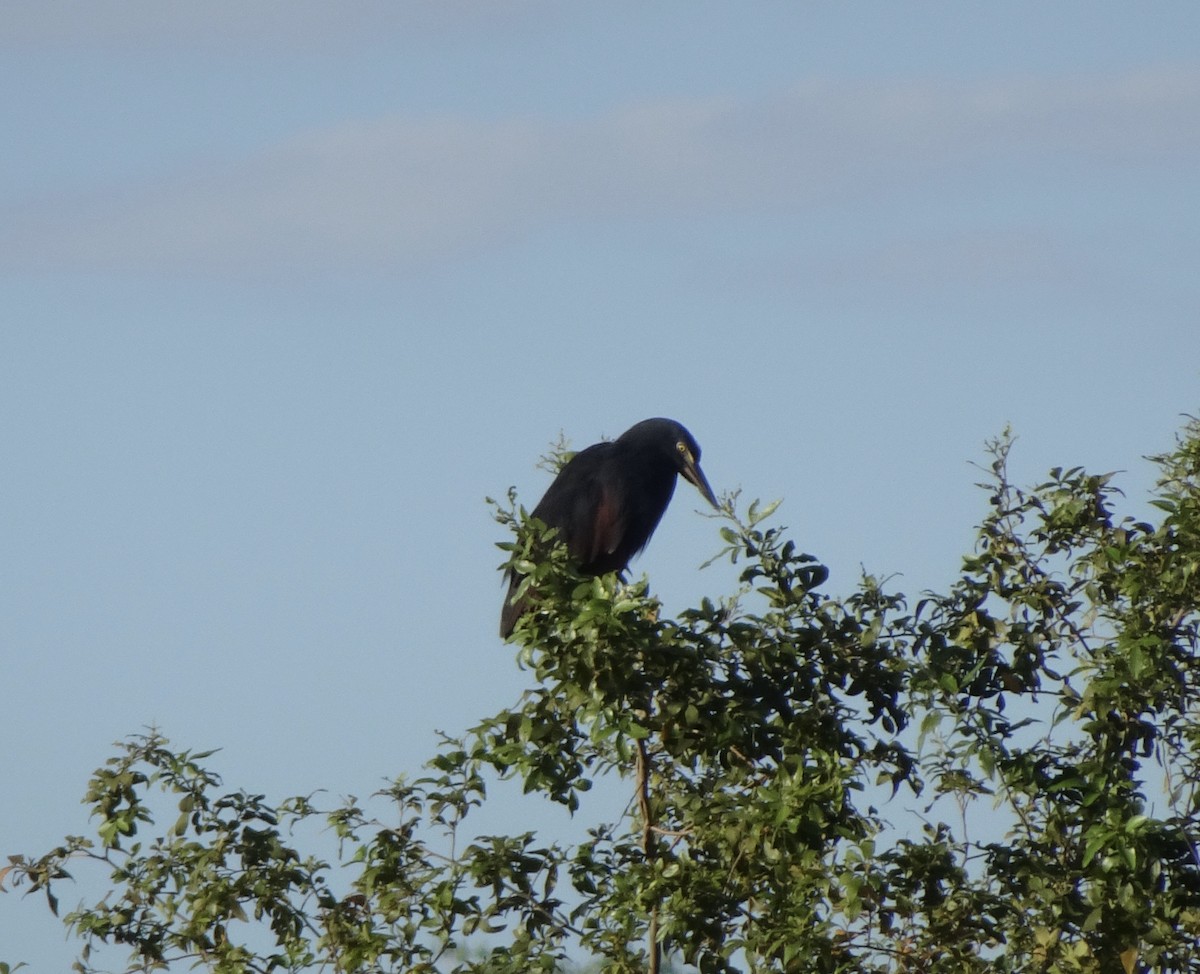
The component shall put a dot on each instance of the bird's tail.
(513, 608)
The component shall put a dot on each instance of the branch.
(649, 848)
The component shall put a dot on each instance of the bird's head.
(674, 439)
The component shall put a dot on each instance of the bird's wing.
(585, 506)
(608, 524)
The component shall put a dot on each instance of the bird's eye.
(681, 447)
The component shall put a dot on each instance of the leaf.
(1096, 841)
(757, 514)
(1129, 959)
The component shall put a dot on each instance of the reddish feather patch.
(607, 527)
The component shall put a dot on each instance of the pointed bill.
(694, 475)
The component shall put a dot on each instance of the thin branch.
(649, 847)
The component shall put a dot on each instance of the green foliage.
(1041, 718)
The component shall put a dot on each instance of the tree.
(1054, 689)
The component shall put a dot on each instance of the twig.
(672, 833)
(738, 754)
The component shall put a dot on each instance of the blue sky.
(288, 289)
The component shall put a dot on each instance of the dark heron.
(608, 499)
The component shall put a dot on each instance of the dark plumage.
(608, 499)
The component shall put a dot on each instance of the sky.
(286, 290)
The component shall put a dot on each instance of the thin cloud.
(391, 193)
(235, 25)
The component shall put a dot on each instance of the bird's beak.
(694, 475)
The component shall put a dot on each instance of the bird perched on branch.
(608, 499)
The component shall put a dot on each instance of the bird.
(607, 499)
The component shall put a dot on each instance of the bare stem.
(649, 846)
